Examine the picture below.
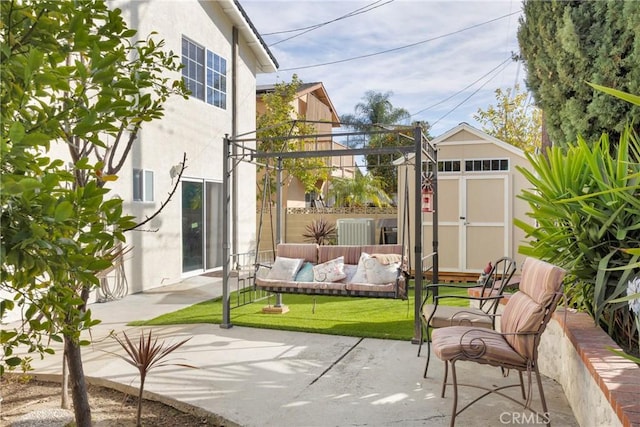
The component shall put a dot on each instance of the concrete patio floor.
(258, 377)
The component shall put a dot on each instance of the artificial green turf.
(348, 316)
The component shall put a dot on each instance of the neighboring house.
(222, 53)
(313, 104)
(477, 188)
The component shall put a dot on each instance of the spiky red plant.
(146, 355)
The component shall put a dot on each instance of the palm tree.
(360, 190)
(376, 111)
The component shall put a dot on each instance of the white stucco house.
(222, 53)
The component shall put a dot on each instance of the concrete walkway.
(259, 377)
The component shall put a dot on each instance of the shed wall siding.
(491, 198)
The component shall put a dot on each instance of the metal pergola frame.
(244, 149)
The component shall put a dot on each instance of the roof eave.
(266, 61)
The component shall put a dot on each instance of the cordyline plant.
(586, 204)
(320, 231)
(146, 355)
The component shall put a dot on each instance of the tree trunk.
(81, 407)
(64, 404)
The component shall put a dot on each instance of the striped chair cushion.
(456, 316)
(479, 344)
(526, 309)
(540, 280)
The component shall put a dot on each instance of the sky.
(440, 60)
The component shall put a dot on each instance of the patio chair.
(525, 317)
(434, 315)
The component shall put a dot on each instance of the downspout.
(234, 132)
(229, 194)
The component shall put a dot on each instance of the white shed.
(477, 188)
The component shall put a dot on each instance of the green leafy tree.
(512, 119)
(72, 78)
(281, 120)
(566, 44)
(374, 113)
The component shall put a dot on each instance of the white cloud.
(418, 76)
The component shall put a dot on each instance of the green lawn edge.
(347, 316)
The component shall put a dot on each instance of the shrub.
(321, 232)
(586, 205)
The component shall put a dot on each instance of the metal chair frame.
(478, 348)
(490, 295)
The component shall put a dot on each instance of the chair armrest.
(490, 316)
(467, 297)
(451, 285)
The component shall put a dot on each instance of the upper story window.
(486, 165)
(204, 73)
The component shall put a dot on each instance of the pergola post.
(417, 211)
(226, 232)
(279, 227)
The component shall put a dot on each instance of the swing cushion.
(285, 268)
(360, 276)
(330, 271)
(349, 279)
(379, 273)
(305, 274)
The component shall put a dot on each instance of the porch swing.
(371, 271)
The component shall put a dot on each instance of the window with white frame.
(142, 185)
(482, 165)
(446, 166)
(449, 166)
(204, 73)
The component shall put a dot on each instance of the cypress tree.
(564, 45)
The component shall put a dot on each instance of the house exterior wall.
(192, 127)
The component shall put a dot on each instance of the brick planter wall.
(602, 388)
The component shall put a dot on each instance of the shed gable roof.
(462, 133)
(465, 134)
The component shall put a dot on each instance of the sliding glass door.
(201, 225)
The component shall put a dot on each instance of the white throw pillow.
(330, 271)
(378, 274)
(361, 276)
(350, 271)
(285, 268)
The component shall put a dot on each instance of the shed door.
(484, 220)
